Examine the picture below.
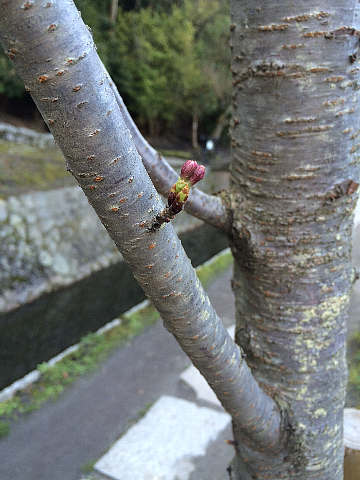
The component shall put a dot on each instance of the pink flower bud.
(187, 169)
(197, 174)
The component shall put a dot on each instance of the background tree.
(288, 213)
(170, 61)
(206, 91)
(184, 59)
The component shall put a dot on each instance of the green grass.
(25, 168)
(141, 413)
(208, 271)
(176, 154)
(354, 369)
(87, 467)
(92, 350)
(4, 429)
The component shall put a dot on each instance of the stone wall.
(25, 136)
(51, 239)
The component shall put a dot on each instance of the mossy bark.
(294, 174)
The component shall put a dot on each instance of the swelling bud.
(191, 172)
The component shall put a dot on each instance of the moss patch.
(25, 168)
(353, 398)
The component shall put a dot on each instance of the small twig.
(166, 215)
(191, 173)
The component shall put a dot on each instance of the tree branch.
(54, 54)
(206, 207)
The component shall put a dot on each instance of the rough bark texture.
(54, 54)
(295, 139)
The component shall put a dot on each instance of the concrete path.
(56, 441)
(165, 443)
(173, 437)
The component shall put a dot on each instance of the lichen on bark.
(294, 141)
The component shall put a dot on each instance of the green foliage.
(176, 62)
(4, 429)
(150, 42)
(169, 59)
(157, 5)
(10, 84)
(8, 407)
(354, 368)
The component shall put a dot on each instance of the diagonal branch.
(54, 54)
(206, 207)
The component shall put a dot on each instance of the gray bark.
(294, 169)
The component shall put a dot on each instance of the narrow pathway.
(54, 442)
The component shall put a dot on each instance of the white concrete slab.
(193, 378)
(164, 444)
(357, 214)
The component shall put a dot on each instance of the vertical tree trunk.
(295, 139)
(194, 131)
(113, 10)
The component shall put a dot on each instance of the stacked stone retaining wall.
(51, 239)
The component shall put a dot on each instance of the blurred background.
(169, 59)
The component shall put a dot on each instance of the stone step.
(174, 439)
(168, 443)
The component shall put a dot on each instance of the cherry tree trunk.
(294, 173)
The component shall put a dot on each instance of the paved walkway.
(80, 427)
